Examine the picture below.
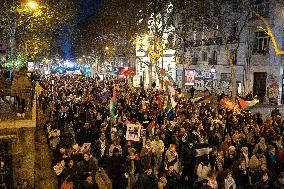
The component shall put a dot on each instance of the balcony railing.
(211, 41)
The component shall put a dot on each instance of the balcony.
(211, 41)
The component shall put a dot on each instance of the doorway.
(259, 85)
(6, 170)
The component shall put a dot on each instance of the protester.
(105, 134)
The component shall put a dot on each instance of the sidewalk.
(45, 177)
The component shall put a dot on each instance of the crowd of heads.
(202, 146)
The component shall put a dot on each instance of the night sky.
(87, 9)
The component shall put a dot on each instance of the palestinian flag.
(226, 102)
(247, 105)
(112, 106)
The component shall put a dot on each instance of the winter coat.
(262, 185)
(242, 178)
(147, 181)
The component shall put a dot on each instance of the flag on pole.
(112, 105)
(170, 105)
(247, 105)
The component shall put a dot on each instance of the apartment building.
(257, 68)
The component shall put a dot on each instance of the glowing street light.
(32, 4)
(107, 48)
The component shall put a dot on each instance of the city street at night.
(132, 94)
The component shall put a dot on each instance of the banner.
(189, 77)
(248, 105)
(136, 81)
(226, 102)
(133, 132)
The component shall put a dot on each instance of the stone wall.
(21, 134)
(23, 154)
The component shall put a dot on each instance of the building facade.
(258, 70)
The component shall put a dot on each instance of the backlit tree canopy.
(34, 28)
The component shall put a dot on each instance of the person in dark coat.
(272, 163)
(173, 178)
(242, 175)
(279, 183)
(89, 183)
(116, 169)
(147, 180)
(264, 183)
(87, 167)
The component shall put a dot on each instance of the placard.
(133, 132)
(85, 147)
(59, 167)
(136, 81)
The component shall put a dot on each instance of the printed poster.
(59, 167)
(136, 81)
(189, 77)
(133, 132)
(85, 147)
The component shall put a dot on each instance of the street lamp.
(212, 73)
(32, 4)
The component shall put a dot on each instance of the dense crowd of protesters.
(203, 146)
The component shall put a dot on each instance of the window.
(1, 42)
(213, 59)
(204, 56)
(214, 55)
(262, 42)
(195, 58)
(234, 56)
(234, 30)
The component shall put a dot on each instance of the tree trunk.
(233, 75)
(12, 36)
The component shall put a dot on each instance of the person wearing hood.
(279, 183)
(116, 169)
